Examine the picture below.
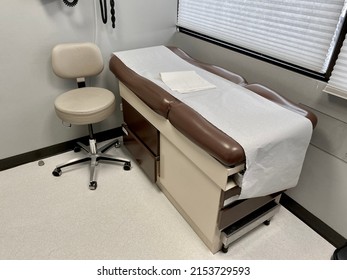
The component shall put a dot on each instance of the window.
(337, 84)
(299, 33)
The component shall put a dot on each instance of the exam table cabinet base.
(142, 139)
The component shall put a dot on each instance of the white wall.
(29, 29)
(322, 188)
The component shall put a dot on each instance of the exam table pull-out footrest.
(248, 223)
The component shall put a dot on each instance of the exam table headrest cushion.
(280, 100)
(151, 94)
(226, 74)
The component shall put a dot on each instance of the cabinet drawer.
(141, 128)
(148, 162)
(240, 209)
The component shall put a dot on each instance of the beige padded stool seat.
(84, 105)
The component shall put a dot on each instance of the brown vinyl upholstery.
(151, 94)
(211, 139)
(228, 75)
(154, 96)
(280, 100)
(190, 123)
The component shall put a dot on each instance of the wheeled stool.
(84, 105)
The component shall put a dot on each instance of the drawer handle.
(125, 131)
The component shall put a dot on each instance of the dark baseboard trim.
(312, 221)
(17, 160)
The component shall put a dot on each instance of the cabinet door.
(142, 141)
(148, 162)
(141, 128)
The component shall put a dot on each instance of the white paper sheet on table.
(274, 139)
(185, 81)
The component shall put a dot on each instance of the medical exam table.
(200, 167)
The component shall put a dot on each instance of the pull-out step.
(246, 224)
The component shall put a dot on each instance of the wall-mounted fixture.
(70, 3)
(103, 9)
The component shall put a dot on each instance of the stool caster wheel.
(225, 249)
(57, 172)
(267, 222)
(117, 144)
(127, 166)
(93, 185)
(77, 149)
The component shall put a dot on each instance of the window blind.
(337, 84)
(300, 32)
